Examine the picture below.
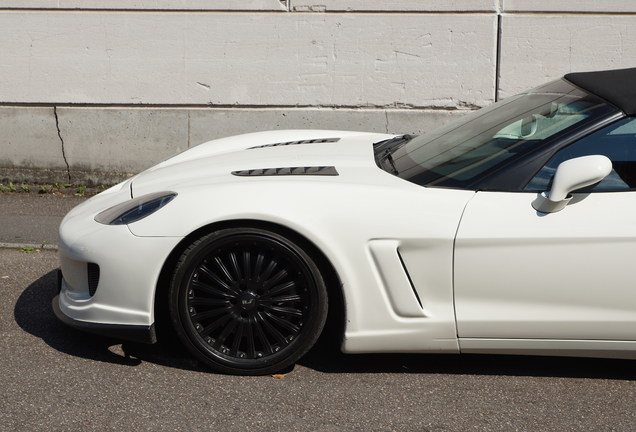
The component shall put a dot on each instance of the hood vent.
(312, 171)
(309, 141)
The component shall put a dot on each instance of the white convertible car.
(511, 230)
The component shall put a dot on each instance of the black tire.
(247, 301)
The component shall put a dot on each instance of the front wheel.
(247, 301)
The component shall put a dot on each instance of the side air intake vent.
(93, 277)
(311, 141)
(312, 171)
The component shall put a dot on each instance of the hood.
(255, 153)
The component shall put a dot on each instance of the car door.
(523, 274)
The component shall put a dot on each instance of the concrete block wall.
(93, 90)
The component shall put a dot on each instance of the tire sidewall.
(193, 255)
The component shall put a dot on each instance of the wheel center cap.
(248, 301)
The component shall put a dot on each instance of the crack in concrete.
(59, 134)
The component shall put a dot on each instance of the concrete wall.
(91, 90)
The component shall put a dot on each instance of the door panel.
(565, 275)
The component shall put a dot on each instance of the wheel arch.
(336, 314)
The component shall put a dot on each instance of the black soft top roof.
(615, 86)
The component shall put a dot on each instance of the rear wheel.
(247, 301)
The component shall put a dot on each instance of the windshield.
(471, 147)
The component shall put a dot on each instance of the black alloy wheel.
(247, 301)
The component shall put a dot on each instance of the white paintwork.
(570, 348)
(391, 272)
(577, 173)
(571, 175)
(209, 193)
(368, 314)
(229, 59)
(127, 274)
(565, 275)
(492, 274)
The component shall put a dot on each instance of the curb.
(49, 247)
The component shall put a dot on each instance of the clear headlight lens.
(135, 209)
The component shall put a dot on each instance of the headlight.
(135, 209)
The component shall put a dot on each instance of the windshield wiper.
(384, 149)
(392, 144)
(387, 156)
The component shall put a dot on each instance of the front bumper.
(134, 333)
(119, 300)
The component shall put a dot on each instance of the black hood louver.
(286, 171)
(308, 141)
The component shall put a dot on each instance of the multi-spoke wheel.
(247, 301)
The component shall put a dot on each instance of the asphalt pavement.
(53, 377)
(30, 220)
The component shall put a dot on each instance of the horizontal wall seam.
(566, 13)
(260, 11)
(241, 107)
(331, 12)
(327, 12)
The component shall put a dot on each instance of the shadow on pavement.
(333, 361)
(34, 314)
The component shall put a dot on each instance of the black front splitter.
(133, 333)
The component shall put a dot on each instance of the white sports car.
(511, 230)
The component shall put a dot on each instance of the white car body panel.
(373, 324)
(247, 237)
(527, 275)
(564, 347)
(390, 267)
(396, 269)
(129, 268)
(240, 142)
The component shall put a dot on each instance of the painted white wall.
(196, 5)
(540, 47)
(395, 5)
(131, 81)
(575, 6)
(247, 59)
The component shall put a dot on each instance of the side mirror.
(571, 175)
